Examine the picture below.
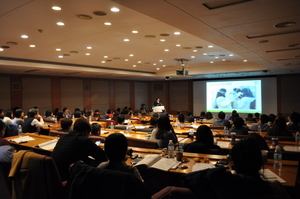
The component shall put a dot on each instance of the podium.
(158, 109)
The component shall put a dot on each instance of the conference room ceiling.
(242, 36)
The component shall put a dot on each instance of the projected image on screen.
(243, 96)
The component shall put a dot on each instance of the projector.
(182, 72)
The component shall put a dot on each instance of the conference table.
(288, 172)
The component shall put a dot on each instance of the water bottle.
(195, 121)
(277, 159)
(171, 149)
(177, 124)
(297, 139)
(225, 131)
(20, 130)
(128, 129)
(55, 120)
(259, 129)
(112, 127)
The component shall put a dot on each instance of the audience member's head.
(32, 112)
(238, 122)
(115, 147)
(9, 114)
(77, 114)
(204, 135)
(164, 123)
(59, 115)
(264, 119)
(221, 115)
(2, 128)
(96, 129)
(96, 113)
(234, 116)
(155, 115)
(279, 124)
(246, 157)
(202, 114)
(208, 115)
(188, 113)
(121, 119)
(295, 118)
(272, 117)
(82, 126)
(18, 113)
(48, 113)
(259, 140)
(66, 124)
(181, 118)
(64, 109)
(250, 115)
(154, 121)
(256, 115)
(76, 109)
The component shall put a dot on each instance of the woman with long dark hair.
(165, 132)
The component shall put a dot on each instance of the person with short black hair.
(66, 125)
(33, 123)
(76, 146)
(78, 114)
(264, 126)
(294, 122)
(188, 117)
(96, 129)
(19, 114)
(247, 181)
(115, 147)
(221, 121)
(121, 120)
(49, 115)
(209, 117)
(239, 126)
(67, 112)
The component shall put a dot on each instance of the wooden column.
(112, 100)
(16, 96)
(132, 95)
(87, 94)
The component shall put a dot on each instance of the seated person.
(279, 127)
(109, 113)
(96, 115)
(165, 132)
(96, 129)
(115, 147)
(204, 142)
(19, 114)
(78, 114)
(257, 116)
(246, 183)
(143, 109)
(239, 126)
(49, 116)
(33, 123)
(222, 121)
(209, 118)
(293, 124)
(121, 125)
(188, 117)
(250, 118)
(263, 145)
(6, 151)
(264, 119)
(76, 146)
(8, 116)
(154, 124)
(181, 120)
(66, 125)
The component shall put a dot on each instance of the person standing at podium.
(157, 102)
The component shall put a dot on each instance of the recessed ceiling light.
(176, 33)
(164, 65)
(60, 23)
(58, 49)
(217, 57)
(107, 23)
(285, 24)
(126, 39)
(139, 62)
(210, 46)
(245, 60)
(178, 45)
(199, 47)
(164, 34)
(84, 17)
(157, 68)
(135, 31)
(73, 52)
(56, 8)
(11, 43)
(103, 62)
(24, 36)
(263, 41)
(60, 56)
(150, 36)
(192, 56)
(31, 46)
(154, 64)
(66, 55)
(1, 49)
(115, 9)
(89, 47)
(204, 53)
(126, 59)
(161, 60)
(131, 55)
(230, 55)
(211, 62)
(133, 65)
(195, 51)
(223, 59)
(99, 13)
(162, 40)
(105, 56)
(87, 54)
(166, 50)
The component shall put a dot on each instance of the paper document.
(223, 144)
(157, 162)
(48, 145)
(22, 139)
(292, 148)
(202, 166)
(270, 175)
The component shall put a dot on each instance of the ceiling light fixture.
(89, 47)
(157, 68)
(24, 36)
(195, 51)
(105, 56)
(211, 62)
(126, 59)
(115, 9)
(60, 23)
(161, 60)
(131, 55)
(84, 17)
(176, 33)
(87, 54)
(134, 66)
(192, 56)
(107, 23)
(1, 49)
(178, 45)
(244, 60)
(103, 62)
(99, 13)
(210, 46)
(56, 8)
(139, 62)
(162, 40)
(230, 55)
(164, 65)
(204, 53)
(31, 46)
(166, 50)
(60, 56)
(58, 49)
(135, 31)
(126, 39)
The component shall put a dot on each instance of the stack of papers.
(292, 148)
(48, 145)
(271, 176)
(22, 139)
(202, 166)
(223, 144)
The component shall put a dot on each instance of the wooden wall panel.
(36, 92)
(100, 95)
(141, 95)
(72, 93)
(87, 94)
(122, 94)
(179, 96)
(5, 93)
(55, 93)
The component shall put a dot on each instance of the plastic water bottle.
(277, 159)
(177, 124)
(259, 129)
(195, 121)
(225, 131)
(20, 130)
(128, 128)
(55, 120)
(297, 138)
(171, 149)
(112, 127)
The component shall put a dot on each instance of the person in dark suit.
(157, 102)
(76, 146)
